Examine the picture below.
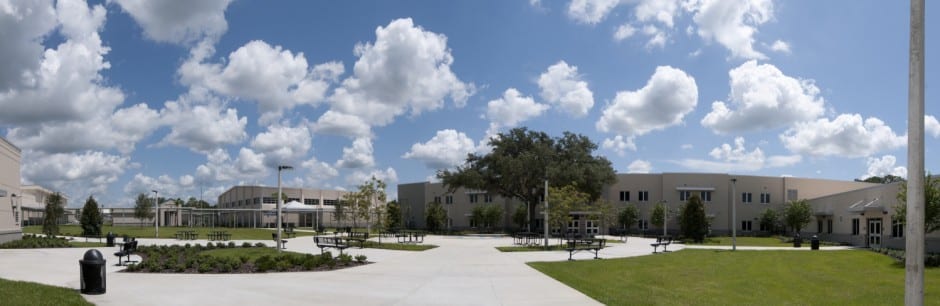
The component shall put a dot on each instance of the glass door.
(874, 233)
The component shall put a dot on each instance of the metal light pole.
(734, 217)
(914, 241)
(17, 214)
(280, 198)
(665, 216)
(156, 215)
(545, 224)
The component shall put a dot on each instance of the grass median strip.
(28, 293)
(710, 277)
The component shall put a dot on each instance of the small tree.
(491, 215)
(561, 202)
(658, 215)
(797, 214)
(340, 211)
(693, 221)
(628, 216)
(931, 204)
(769, 220)
(91, 218)
(354, 204)
(519, 216)
(436, 216)
(393, 215)
(54, 211)
(143, 208)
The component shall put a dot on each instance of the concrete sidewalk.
(462, 271)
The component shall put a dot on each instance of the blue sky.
(190, 98)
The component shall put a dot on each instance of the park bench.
(219, 235)
(586, 244)
(661, 241)
(334, 242)
(91, 236)
(283, 241)
(360, 237)
(127, 249)
(186, 235)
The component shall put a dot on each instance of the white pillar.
(914, 241)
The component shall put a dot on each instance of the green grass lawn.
(27, 293)
(709, 277)
(166, 232)
(530, 248)
(758, 241)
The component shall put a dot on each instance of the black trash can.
(93, 272)
(797, 241)
(110, 239)
(814, 243)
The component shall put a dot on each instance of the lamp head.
(284, 167)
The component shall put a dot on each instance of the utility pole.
(914, 241)
(156, 215)
(734, 217)
(545, 224)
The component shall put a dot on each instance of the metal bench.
(283, 241)
(661, 241)
(128, 249)
(334, 242)
(588, 244)
(360, 237)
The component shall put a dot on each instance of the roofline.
(18, 150)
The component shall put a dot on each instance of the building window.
(706, 196)
(765, 198)
(643, 224)
(487, 198)
(624, 196)
(573, 226)
(819, 227)
(829, 226)
(330, 202)
(792, 194)
(684, 195)
(591, 227)
(449, 199)
(644, 196)
(311, 201)
(746, 197)
(269, 200)
(746, 225)
(855, 227)
(897, 229)
(437, 200)
(474, 198)
(257, 201)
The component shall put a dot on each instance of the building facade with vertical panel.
(255, 206)
(10, 157)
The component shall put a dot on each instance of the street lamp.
(665, 216)
(280, 199)
(734, 217)
(545, 223)
(156, 215)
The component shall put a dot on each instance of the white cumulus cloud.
(728, 158)
(762, 97)
(884, 166)
(562, 86)
(847, 136)
(590, 11)
(668, 96)
(619, 144)
(283, 145)
(178, 21)
(732, 23)
(448, 148)
(512, 108)
(202, 127)
(359, 155)
(640, 166)
(931, 126)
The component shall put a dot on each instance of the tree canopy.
(796, 214)
(658, 215)
(693, 221)
(931, 204)
(521, 160)
(886, 179)
(54, 211)
(628, 216)
(91, 217)
(435, 217)
(393, 215)
(143, 208)
(769, 220)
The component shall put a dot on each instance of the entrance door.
(874, 233)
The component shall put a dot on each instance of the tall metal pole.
(280, 199)
(734, 217)
(665, 216)
(545, 224)
(156, 215)
(914, 255)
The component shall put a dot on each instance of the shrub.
(244, 258)
(231, 244)
(186, 246)
(205, 267)
(246, 244)
(360, 258)
(345, 259)
(261, 245)
(264, 263)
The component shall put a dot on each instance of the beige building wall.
(459, 205)
(33, 204)
(10, 156)
(255, 206)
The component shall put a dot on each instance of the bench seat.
(590, 244)
(331, 242)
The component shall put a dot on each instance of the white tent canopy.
(297, 206)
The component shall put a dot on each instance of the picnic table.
(186, 235)
(219, 235)
(410, 237)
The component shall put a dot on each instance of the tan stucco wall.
(10, 157)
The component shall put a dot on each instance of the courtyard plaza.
(463, 270)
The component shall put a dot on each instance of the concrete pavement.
(461, 271)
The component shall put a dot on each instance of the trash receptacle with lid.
(93, 272)
(110, 239)
(797, 241)
(814, 243)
